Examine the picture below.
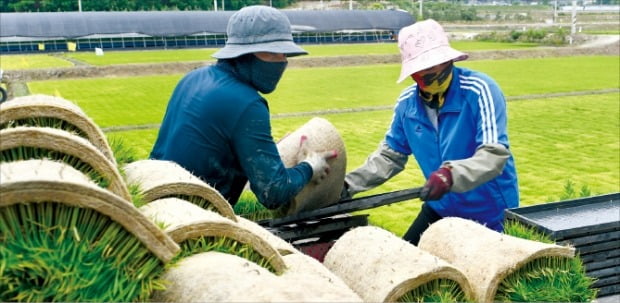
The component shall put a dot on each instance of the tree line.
(131, 5)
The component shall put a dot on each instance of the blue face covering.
(262, 75)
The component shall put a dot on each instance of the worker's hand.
(317, 160)
(438, 184)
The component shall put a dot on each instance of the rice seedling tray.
(591, 225)
(327, 228)
(572, 218)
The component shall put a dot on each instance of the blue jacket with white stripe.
(474, 114)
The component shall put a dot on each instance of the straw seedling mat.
(210, 277)
(185, 221)
(301, 267)
(159, 179)
(218, 277)
(283, 247)
(22, 143)
(65, 239)
(485, 256)
(49, 111)
(321, 136)
(389, 267)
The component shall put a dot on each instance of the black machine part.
(347, 206)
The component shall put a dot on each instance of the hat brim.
(289, 48)
(429, 59)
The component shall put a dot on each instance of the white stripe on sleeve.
(486, 104)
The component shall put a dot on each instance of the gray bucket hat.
(258, 28)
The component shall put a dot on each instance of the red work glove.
(437, 185)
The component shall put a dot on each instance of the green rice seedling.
(516, 229)
(123, 153)
(438, 290)
(249, 208)
(546, 279)
(224, 245)
(137, 198)
(27, 152)
(52, 252)
(200, 201)
(46, 122)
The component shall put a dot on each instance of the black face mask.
(262, 75)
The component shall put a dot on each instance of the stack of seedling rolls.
(224, 258)
(67, 229)
(384, 268)
(53, 112)
(63, 238)
(70, 230)
(158, 179)
(505, 268)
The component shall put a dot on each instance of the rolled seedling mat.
(293, 289)
(485, 256)
(66, 239)
(184, 221)
(22, 143)
(209, 277)
(158, 179)
(50, 111)
(283, 247)
(303, 267)
(322, 136)
(382, 267)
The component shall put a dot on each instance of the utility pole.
(215, 5)
(79, 5)
(555, 11)
(420, 13)
(573, 27)
(350, 4)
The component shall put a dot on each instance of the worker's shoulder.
(467, 74)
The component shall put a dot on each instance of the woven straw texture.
(35, 181)
(302, 267)
(322, 136)
(210, 277)
(184, 220)
(283, 247)
(464, 243)
(158, 179)
(38, 106)
(68, 144)
(381, 267)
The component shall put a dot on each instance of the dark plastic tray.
(572, 218)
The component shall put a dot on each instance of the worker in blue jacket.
(217, 124)
(453, 121)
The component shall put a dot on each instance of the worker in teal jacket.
(218, 126)
(453, 121)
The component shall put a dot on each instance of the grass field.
(555, 141)
(123, 100)
(10, 62)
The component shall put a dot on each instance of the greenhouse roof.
(71, 25)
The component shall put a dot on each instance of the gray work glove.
(317, 160)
